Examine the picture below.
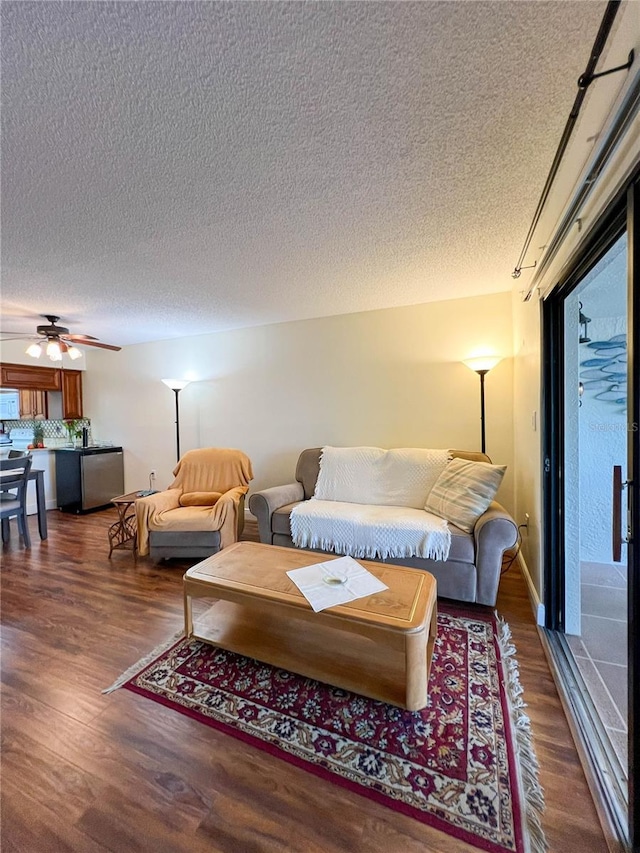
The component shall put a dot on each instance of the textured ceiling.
(172, 169)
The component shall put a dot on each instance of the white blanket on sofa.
(367, 531)
(402, 476)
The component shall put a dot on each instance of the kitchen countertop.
(91, 447)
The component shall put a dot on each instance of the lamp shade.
(54, 351)
(176, 384)
(54, 348)
(482, 362)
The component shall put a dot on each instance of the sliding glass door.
(595, 438)
(591, 482)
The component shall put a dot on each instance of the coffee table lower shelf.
(352, 658)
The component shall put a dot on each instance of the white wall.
(387, 378)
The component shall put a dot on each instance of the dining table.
(8, 481)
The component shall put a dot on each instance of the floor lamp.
(176, 386)
(482, 365)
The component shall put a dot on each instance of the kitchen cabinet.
(31, 376)
(26, 377)
(71, 394)
(33, 404)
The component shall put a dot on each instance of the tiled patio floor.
(601, 651)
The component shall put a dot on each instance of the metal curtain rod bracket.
(518, 270)
(585, 80)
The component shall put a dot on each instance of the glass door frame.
(633, 499)
(622, 215)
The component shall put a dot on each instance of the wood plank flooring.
(82, 771)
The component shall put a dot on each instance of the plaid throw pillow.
(464, 490)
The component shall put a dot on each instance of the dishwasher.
(87, 478)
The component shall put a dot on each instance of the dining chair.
(14, 476)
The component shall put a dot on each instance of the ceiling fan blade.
(17, 335)
(96, 343)
(57, 333)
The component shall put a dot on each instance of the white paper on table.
(312, 581)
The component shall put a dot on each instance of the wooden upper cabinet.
(28, 376)
(71, 394)
(33, 404)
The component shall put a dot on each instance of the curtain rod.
(584, 81)
(624, 119)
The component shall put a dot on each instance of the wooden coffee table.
(379, 646)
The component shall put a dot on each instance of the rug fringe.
(135, 668)
(532, 794)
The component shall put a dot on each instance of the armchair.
(202, 511)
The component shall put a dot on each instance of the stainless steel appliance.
(88, 477)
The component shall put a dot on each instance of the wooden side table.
(123, 533)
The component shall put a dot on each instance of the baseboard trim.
(32, 508)
(536, 605)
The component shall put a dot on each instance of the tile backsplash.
(52, 430)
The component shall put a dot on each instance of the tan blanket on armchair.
(210, 469)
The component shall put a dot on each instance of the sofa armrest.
(494, 533)
(264, 503)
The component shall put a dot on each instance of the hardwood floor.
(83, 771)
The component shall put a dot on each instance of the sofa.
(471, 571)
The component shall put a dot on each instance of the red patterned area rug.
(464, 764)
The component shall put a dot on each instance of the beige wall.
(527, 430)
(387, 378)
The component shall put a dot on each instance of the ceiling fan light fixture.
(54, 351)
(34, 350)
(74, 352)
